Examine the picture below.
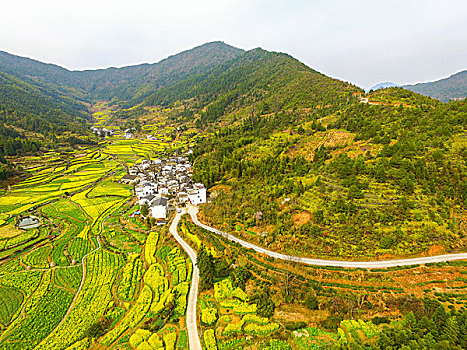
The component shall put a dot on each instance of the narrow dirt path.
(191, 324)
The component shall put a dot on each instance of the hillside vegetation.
(365, 180)
(453, 87)
(293, 160)
(260, 81)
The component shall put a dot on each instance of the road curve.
(191, 325)
(321, 262)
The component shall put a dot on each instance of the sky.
(363, 42)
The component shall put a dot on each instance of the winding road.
(193, 211)
(191, 320)
(191, 325)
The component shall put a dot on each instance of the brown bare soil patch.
(302, 218)
(436, 250)
(338, 138)
(298, 313)
(220, 189)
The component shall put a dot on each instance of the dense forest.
(267, 82)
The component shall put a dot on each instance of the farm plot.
(44, 310)
(109, 188)
(230, 312)
(10, 302)
(19, 243)
(37, 258)
(131, 276)
(64, 208)
(44, 187)
(91, 303)
(69, 278)
(9, 234)
(96, 208)
(165, 289)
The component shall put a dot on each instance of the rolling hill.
(121, 83)
(453, 87)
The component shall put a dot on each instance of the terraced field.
(87, 267)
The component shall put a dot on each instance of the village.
(163, 184)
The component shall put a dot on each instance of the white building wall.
(198, 197)
(159, 212)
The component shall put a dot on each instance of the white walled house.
(197, 196)
(158, 209)
(129, 179)
(147, 200)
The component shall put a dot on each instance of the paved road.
(320, 262)
(191, 325)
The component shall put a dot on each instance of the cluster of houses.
(102, 131)
(162, 184)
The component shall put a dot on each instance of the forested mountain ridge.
(266, 82)
(36, 113)
(453, 87)
(124, 83)
(40, 102)
(136, 82)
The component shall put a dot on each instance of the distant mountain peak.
(384, 85)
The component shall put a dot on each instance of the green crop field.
(87, 264)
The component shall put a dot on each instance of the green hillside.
(453, 87)
(136, 82)
(365, 180)
(264, 82)
(132, 82)
(32, 115)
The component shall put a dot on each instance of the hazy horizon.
(363, 42)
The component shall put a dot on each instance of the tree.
(145, 209)
(355, 192)
(451, 330)
(440, 318)
(311, 302)
(240, 276)
(264, 304)
(380, 174)
(205, 263)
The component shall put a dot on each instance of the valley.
(226, 199)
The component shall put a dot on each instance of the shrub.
(311, 302)
(170, 339)
(264, 304)
(155, 341)
(255, 319)
(254, 329)
(144, 346)
(378, 320)
(293, 326)
(209, 315)
(332, 322)
(210, 339)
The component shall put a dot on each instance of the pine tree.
(440, 318)
(451, 330)
(205, 263)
